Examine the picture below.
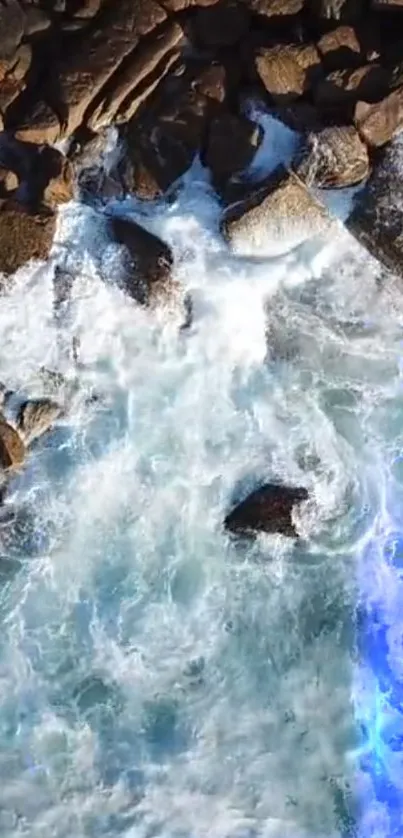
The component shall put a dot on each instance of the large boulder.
(268, 509)
(275, 217)
(379, 122)
(148, 265)
(377, 216)
(12, 448)
(240, 134)
(24, 235)
(288, 71)
(334, 158)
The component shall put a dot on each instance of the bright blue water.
(155, 678)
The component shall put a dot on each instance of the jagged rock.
(24, 236)
(289, 71)
(12, 448)
(220, 25)
(241, 135)
(335, 158)
(140, 76)
(268, 509)
(278, 215)
(340, 49)
(377, 217)
(83, 72)
(379, 122)
(342, 89)
(35, 417)
(149, 262)
(275, 8)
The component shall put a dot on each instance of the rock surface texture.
(268, 509)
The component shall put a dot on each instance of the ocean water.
(156, 678)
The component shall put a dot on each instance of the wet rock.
(180, 5)
(240, 134)
(8, 182)
(39, 124)
(12, 448)
(340, 49)
(377, 217)
(54, 181)
(24, 236)
(268, 509)
(335, 158)
(220, 25)
(289, 71)
(275, 8)
(148, 265)
(379, 122)
(11, 28)
(279, 214)
(344, 88)
(35, 417)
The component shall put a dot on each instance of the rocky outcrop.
(35, 417)
(278, 215)
(335, 158)
(148, 263)
(24, 236)
(289, 72)
(12, 448)
(379, 122)
(269, 509)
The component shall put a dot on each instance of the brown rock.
(340, 49)
(275, 8)
(55, 181)
(149, 261)
(23, 236)
(8, 181)
(12, 21)
(12, 448)
(88, 8)
(336, 157)
(344, 88)
(35, 417)
(379, 122)
(142, 73)
(288, 72)
(279, 214)
(220, 25)
(180, 5)
(40, 124)
(212, 82)
(268, 509)
(239, 134)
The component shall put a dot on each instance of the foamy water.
(157, 679)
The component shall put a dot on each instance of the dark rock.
(275, 8)
(281, 213)
(148, 269)
(35, 417)
(45, 175)
(12, 448)
(24, 235)
(335, 158)
(289, 71)
(379, 122)
(220, 25)
(377, 217)
(344, 88)
(180, 5)
(387, 5)
(345, 10)
(340, 49)
(268, 509)
(8, 182)
(12, 22)
(40, 124)
(239, 134)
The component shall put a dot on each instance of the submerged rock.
(336, 157)
(12, 447)
(281, 213)
(268, 509)
(149, 261)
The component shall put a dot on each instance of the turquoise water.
(155, 678)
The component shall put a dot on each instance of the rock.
(148, 270)
(336, 157)
(379, 122)
(12, 448)
(46, 176)
(346, 10)
(35, 417)
(12, 21)
(268, 509)
(36, 20)
(244, 138)
(220, 25)
(290, 71)
(275, 8)
(140, 76)
(387, 5)
(88, 8)
(277, 216)
(180, 5)
(8, 182)
(344, 88)
(24, 236)
(40, 124)
(339, 49)
(377, 217)
(212, 82)
(84, 71)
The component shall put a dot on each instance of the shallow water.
(157, 679)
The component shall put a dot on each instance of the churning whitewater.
(156, 677)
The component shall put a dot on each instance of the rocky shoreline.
(173, 77)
